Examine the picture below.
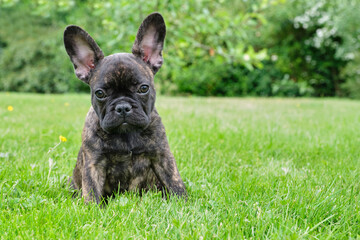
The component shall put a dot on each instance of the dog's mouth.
(117, 127)
(121, 126)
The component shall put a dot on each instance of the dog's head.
(122, 84)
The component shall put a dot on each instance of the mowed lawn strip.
(253, 167)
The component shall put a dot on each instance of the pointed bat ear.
(83, 51)
(149, 41)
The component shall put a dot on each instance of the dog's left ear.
(149, 41)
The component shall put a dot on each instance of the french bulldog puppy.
(124, 145)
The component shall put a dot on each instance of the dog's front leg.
(93, 177)
(167, 172)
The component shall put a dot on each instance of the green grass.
(254, 169)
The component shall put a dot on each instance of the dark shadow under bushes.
(209, 79)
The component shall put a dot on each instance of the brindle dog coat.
(124, 145)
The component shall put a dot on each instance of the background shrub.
(219, 48)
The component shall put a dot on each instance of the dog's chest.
(127, 172)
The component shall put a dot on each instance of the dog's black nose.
(123, 109)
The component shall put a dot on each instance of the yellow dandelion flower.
(10, 108)
(62, 138)
(67, 104)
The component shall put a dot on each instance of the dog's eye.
(143, 89)
(100, 94)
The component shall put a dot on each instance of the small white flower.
(274, 58)
(51, 162)
(320, 32)
(350, 56)
(246, 57)
(285, 169)
(4, 155)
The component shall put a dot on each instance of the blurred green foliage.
(313, 44)
(221, 48)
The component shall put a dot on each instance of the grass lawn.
(253, 168)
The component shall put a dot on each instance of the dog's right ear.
(83, 51)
